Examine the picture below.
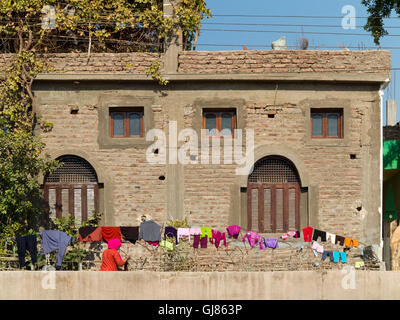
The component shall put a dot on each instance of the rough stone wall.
(263, 61)
(135, 63)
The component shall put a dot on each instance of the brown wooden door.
(79, 200)
(273, 207)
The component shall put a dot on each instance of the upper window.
(219, 122)
(327, 123)
(126, 122)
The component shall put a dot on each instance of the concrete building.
(315, 118)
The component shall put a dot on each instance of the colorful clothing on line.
(130, 234)
(252, 237)
(340, 240)
(205, 231)
(183, 233)
(171, 232)
(217, 236)
(233, 231)
(327, 253)
(166, 245)
(342, 255)
(150, 231)
(350, 242)
(194, 231)
(319, 233)
(109, 233)
(317, 247)
(331, 236)
(307, 233)
(268, 243)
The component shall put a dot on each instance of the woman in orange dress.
(111, 258)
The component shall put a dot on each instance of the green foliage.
(154, 71)
(103, 25)
(378, 10)
(21, 162)
(178, 223)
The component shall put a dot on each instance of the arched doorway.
(72, 189)
(273, 192)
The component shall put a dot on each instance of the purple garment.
(203, 242)
(172, 233)
(270, 243)
(196, 241)
(233, 231)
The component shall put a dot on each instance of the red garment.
(111, 260)
(217, 236)
(154, 243)
(96, 235)
(307, 233)
(109, 233)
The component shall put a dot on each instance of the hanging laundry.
(342, 255)
(252, 237)
(171, 232)
(154, 243)
(327, 253)
(130, 234)
(268, 243)
(348, 242)
(150, 231)
(297, 234)
(317, 247)
(183, 233)
(331, 237)
(284, 236)
(90, 234)
(319, 233)
(203, 242)
(53, 240)
(196, 241)
(26, 243)
(217, 236)
(340, 240)
(307, 233)
(206, 231)
(359, 264)
(292, 234)
(233, 231)
(166, 245)
(109, 233)
(195, 231)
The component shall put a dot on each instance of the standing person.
(111, 258)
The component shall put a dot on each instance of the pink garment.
(291, 233)
(233, 231)
(317, 247)
(252, 237)
(154, 243)
(114, 244)
(217, 236)
(284, 236)
(183, 232)
(194, 231)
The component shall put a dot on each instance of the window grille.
(274, 170)
(74, 170)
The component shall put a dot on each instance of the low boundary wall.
(141, 285)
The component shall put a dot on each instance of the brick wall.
(264, 61)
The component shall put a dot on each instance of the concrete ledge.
(287, 285)
(275, 76)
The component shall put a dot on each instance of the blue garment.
(342, 255)
(53, 240)
(327, 253)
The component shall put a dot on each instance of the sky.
(326, 25)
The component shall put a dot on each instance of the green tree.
(31, 28)
(378, 10)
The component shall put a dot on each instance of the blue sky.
(324, 32)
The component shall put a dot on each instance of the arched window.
(273, 196)
(72, 189)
